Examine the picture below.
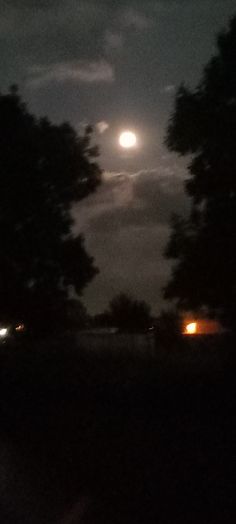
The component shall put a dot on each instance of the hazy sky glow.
(117, 66)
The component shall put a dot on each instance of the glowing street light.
(3, 332)
(191, 328)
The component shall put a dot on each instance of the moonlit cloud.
(135, 200)
(129, 215)
(102, 127)
(79, 71)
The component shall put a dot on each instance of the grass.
(138, 439)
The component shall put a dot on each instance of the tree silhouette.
(168, 327)
(44, 170)
(129, 314)
(203, 126)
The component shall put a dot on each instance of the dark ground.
(117, 439)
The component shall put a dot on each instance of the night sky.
(115, 65)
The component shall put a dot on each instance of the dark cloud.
(126, 225)
(130, 261)
(144, 44)
(45, 35)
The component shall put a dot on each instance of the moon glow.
(127, 139)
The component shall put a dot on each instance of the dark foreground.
(117, 439)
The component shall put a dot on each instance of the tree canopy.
(203, 126)
(129, 314)
(44, 169)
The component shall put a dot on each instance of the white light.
(127, 139)
(3, 332)
(191, 329)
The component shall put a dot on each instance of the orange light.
(191, 329)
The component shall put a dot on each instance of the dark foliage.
(129, 314)
(44, 169)
(204, 126)
(169, 328)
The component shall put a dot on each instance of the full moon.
(127, 139)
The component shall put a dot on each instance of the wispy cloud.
(76, 71)
(132, 199)
(102, 127)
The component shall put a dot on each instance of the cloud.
(113, 41)
(168, 89)
(142, 199)
(126, 226)
(124, 200)
(102, 127)
(131, 261)
(135, 19)
(79, 71)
